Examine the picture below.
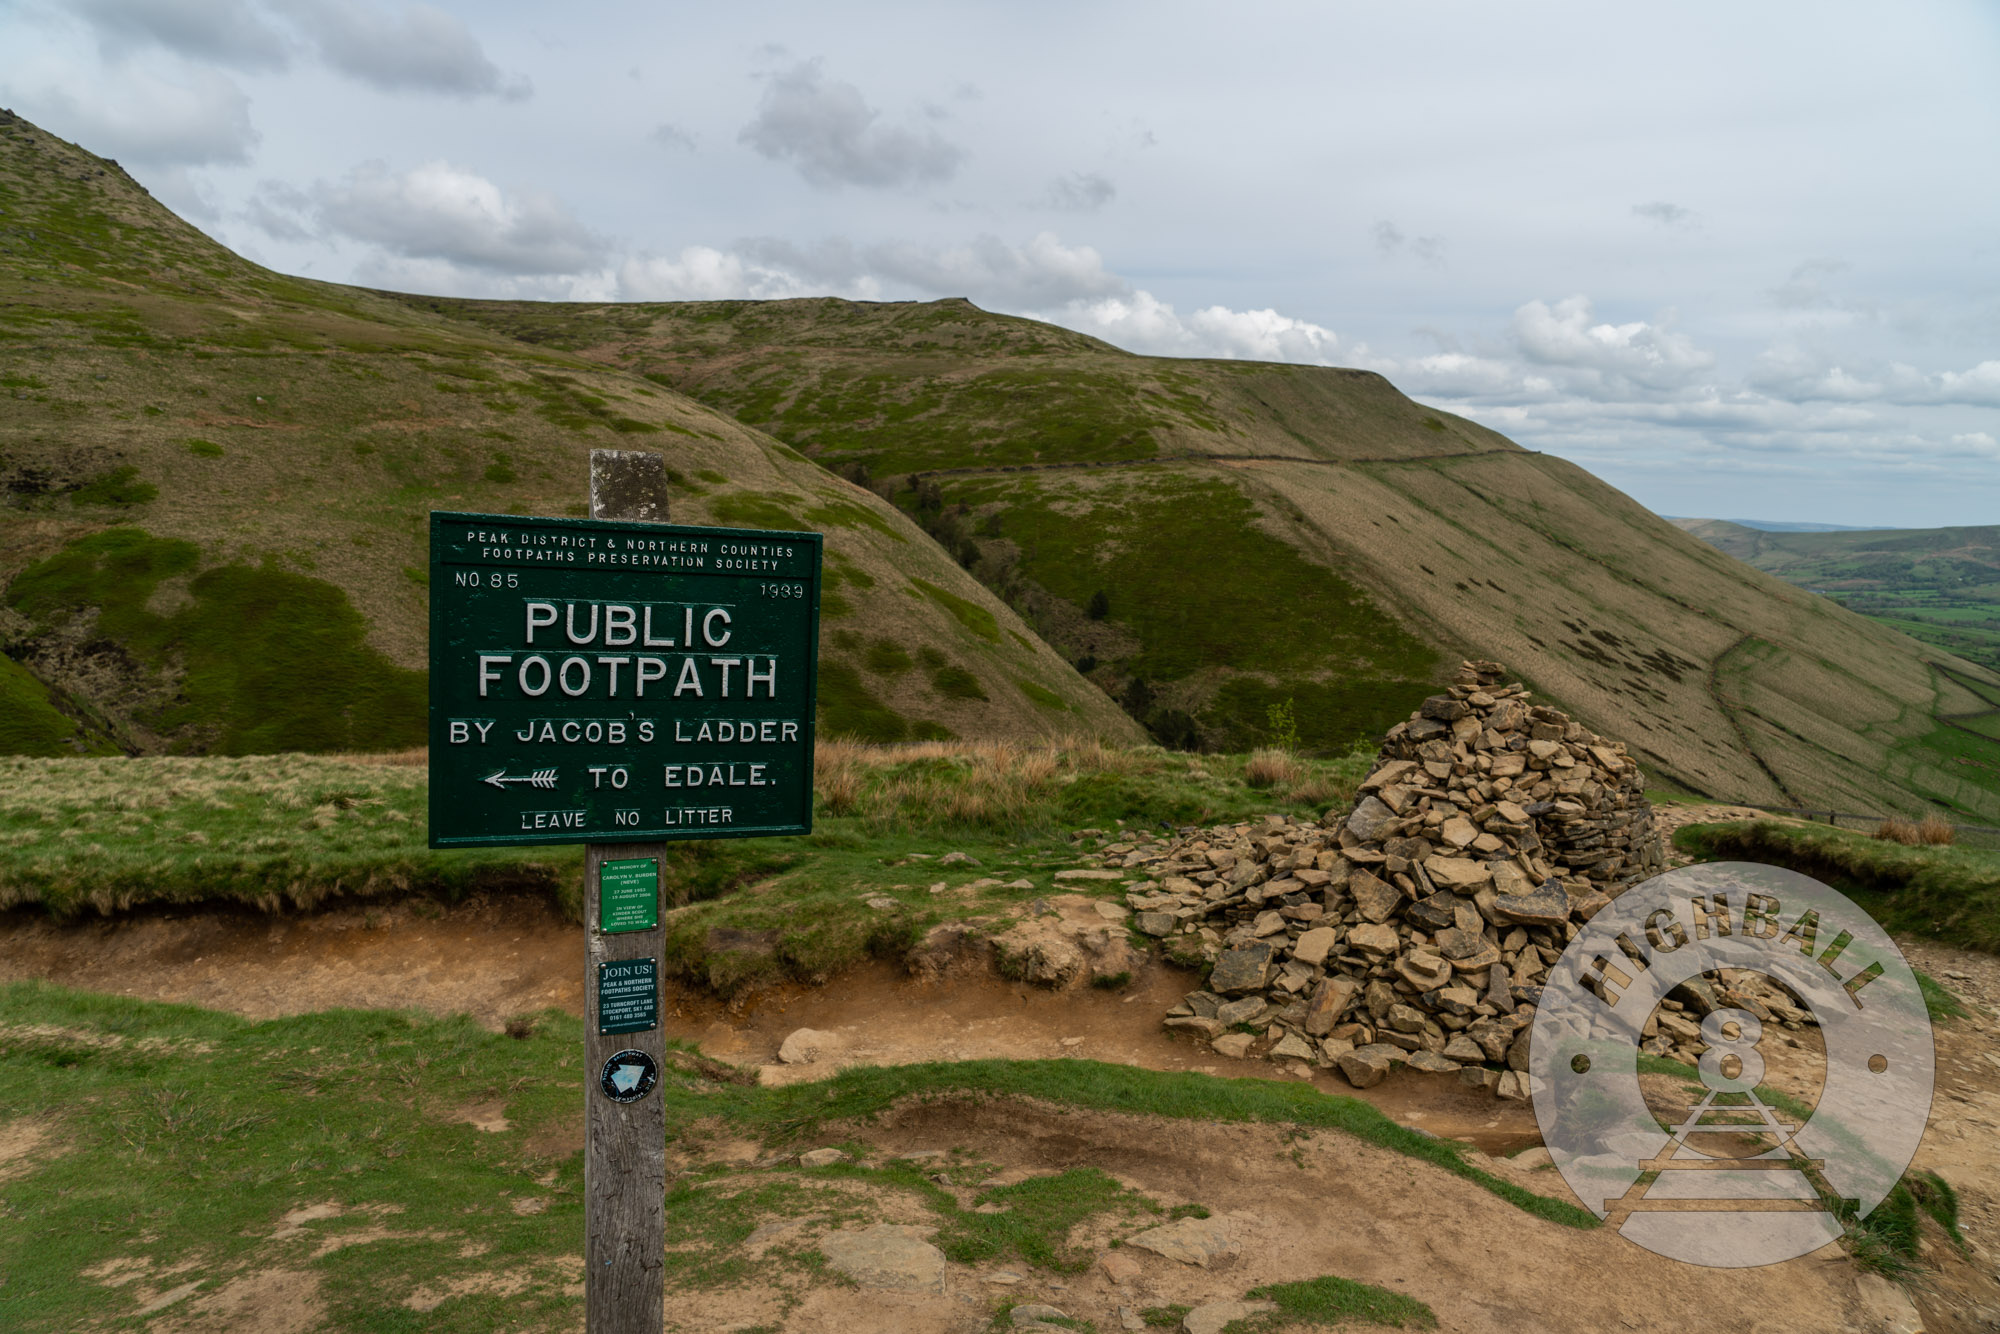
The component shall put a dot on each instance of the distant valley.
(1939, 585)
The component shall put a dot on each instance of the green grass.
(31, 724)
(1946, 893)
(180, 1139)
(969, 614)
(1190, 572)
(106, 836)
(118, 489)
(1334, 1301)
(268, 659)
(110, 835)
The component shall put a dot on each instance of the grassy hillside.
(1266, 534)
(214, 482)
(1939, 585)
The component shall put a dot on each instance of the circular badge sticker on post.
(629, 1076)
(1727, 1061)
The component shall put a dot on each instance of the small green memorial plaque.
(629, 895)
(628, 996)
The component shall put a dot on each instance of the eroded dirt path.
(1324, 1205)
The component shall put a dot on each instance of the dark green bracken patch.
(204, 449)
(848, 708)
(272, 660)
(1181, 563)
(118, 489)
(885, 657)
(968, 614)
(1043, 697)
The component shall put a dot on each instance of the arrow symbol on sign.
(626, 1077)
(540, 778)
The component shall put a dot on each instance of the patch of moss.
(848, 708)
(118, 489)
(272, 660)
(886, 657)
(204, 449)
(1043, 696)
(968, 614)
(30, 723)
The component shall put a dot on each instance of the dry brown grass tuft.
(1937, 830)
(1273, 768)
(1932, 829)
(1896, 829)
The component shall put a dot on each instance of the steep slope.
(1264, 534)
(215, 482)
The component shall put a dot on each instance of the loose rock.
(1489, 827)
(1192, 1241)
(886, 1256)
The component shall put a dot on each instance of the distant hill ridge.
(215, 480)
(1777, 526)
(1213, 539)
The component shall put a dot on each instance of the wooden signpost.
(623, 683)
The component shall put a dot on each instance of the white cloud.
(827, 130)
(702, 273)
(1041, 273)
(419, 49)
(1638, 353)
(441, 212)
(1141, 322)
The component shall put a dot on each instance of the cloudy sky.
(1739, 260)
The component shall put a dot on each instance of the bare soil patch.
(1303, 1204)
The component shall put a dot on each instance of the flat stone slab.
(886, 1256)
(1192, 1241)
(1214, 1317)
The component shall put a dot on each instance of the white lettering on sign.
(690, 815)
(690, 680)
(741, 731)
(716, 775)
(531, 820)
(461, 729)
(583, 731)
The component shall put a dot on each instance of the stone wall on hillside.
(1417, 926)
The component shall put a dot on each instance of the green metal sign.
(628, 895)
(600, 682)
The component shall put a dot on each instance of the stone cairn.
(1417, 927)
